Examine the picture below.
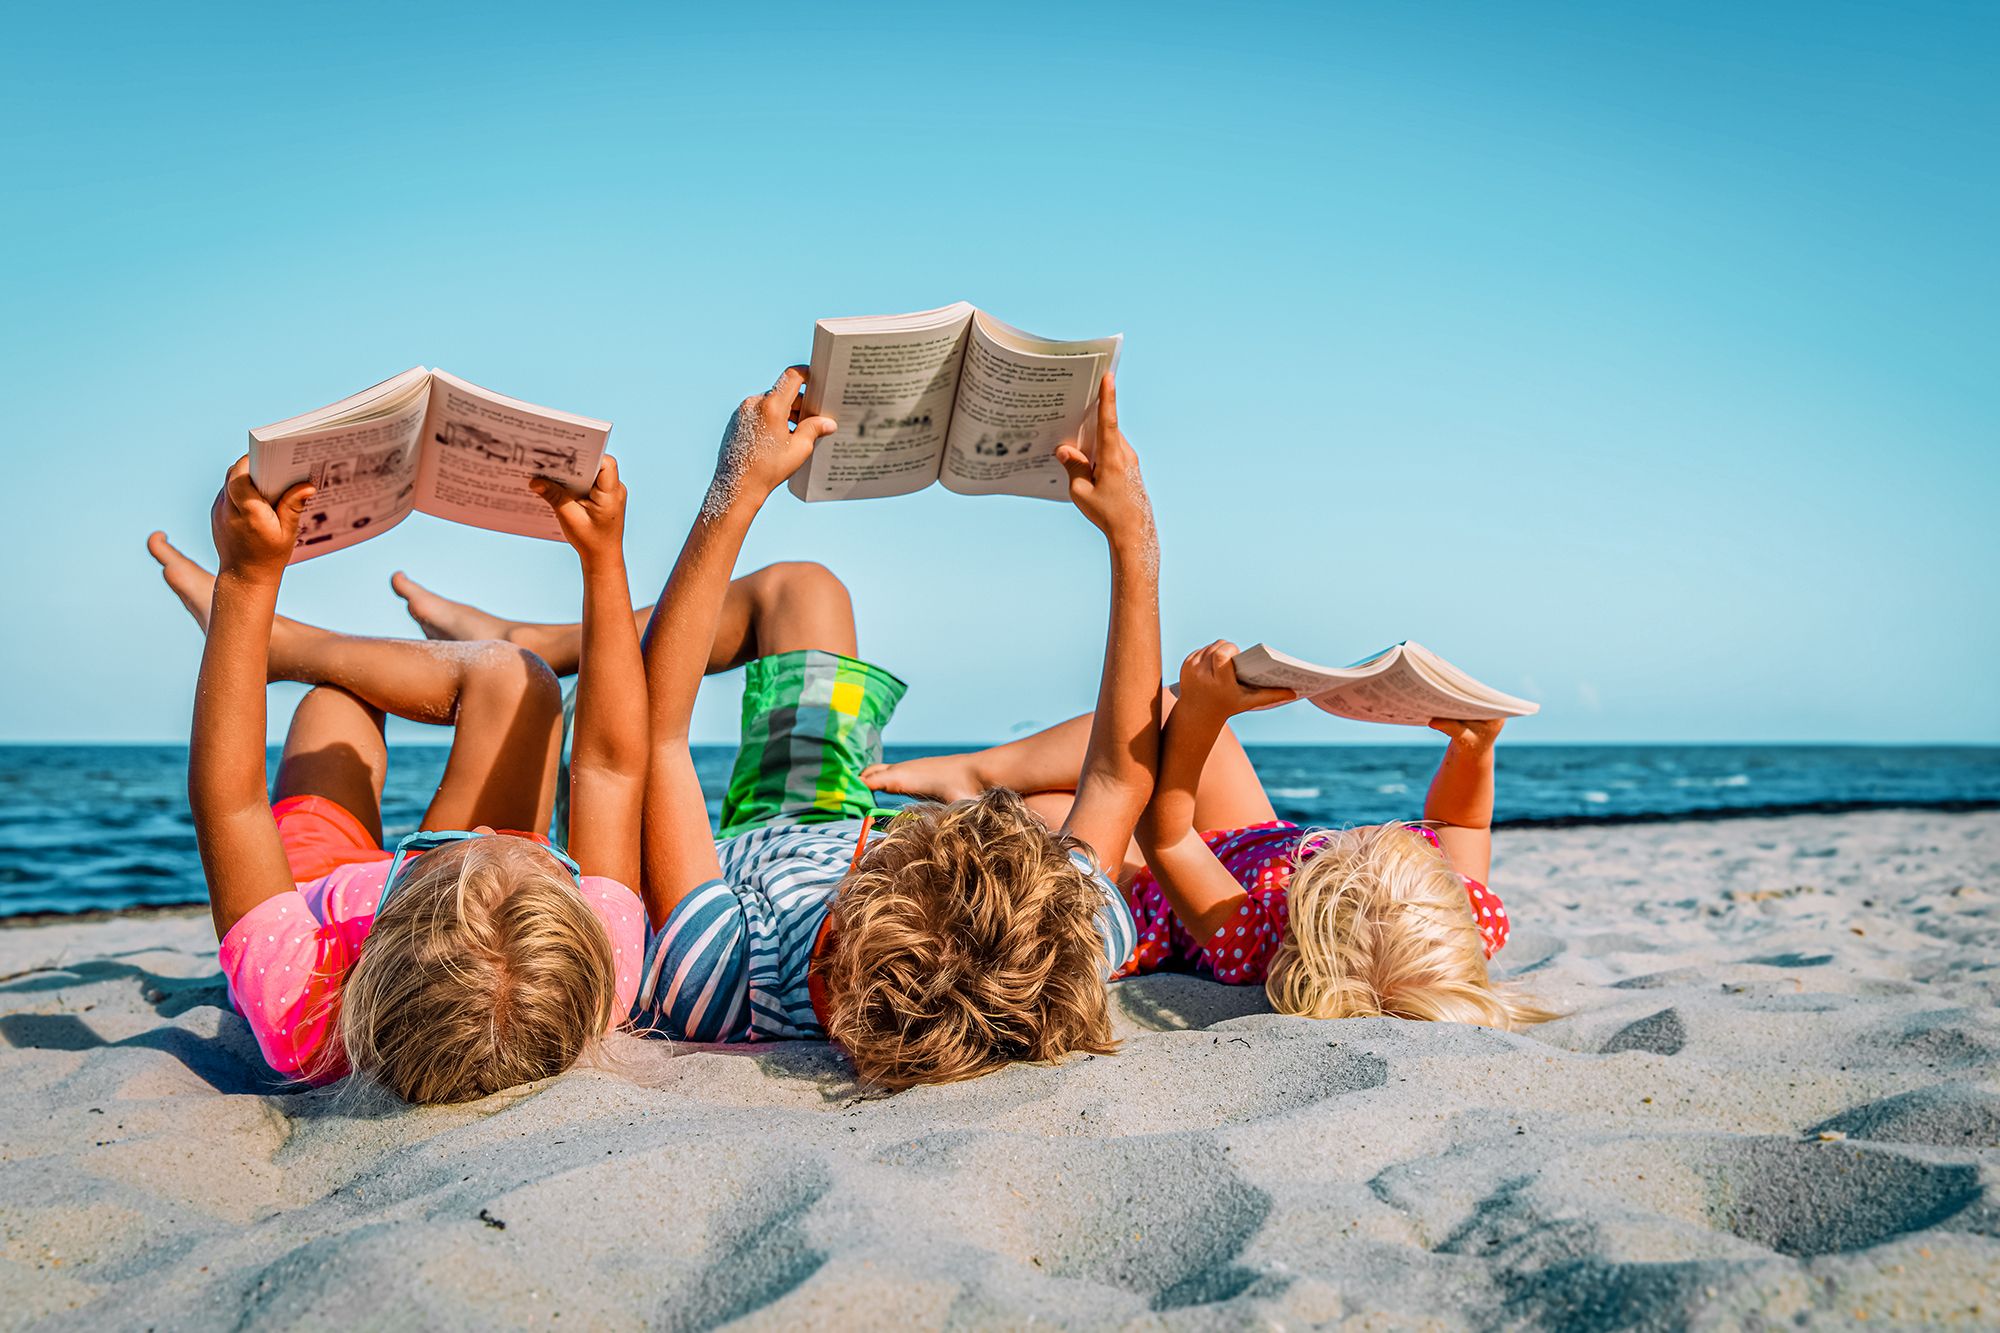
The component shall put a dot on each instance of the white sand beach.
(1774, 1100)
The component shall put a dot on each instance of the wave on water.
(106, 827)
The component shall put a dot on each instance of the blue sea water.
(86, 827)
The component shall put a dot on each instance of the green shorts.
(812, 721)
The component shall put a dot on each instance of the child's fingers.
(294, 501)
(812, 428)
(552, 493)
(785, 393)
(242, 492)
(1075, 462)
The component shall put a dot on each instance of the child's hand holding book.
(760, 447)
(1209, 687)
(594, 522)
(1104, 480)
(253, 536)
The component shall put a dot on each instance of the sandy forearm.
(677, 845)
(1462, 792)
(1123, 751)
(608, 760)
(682, 629)
(611, 714)
(240, 852)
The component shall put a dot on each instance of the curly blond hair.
(1380, 926)
(486, 969)
(966, 939)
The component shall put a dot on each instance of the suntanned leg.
(502, 699)
(781, 607)
(1048, 762)
(334, 748)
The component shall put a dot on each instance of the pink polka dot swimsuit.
(1260, 859)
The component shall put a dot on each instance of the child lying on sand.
(462, 963)
(949, 941)
(1394, 919)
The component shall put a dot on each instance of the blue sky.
(1638, 358)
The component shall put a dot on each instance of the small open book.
(430, 441)
(950, 396)
(1408, 685)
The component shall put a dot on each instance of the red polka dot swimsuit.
(1260, 859)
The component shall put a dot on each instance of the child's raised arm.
(1460, 801)
(760, 451)
(1202, 892)
(240, 852)
(1119, 762)
(608, 757)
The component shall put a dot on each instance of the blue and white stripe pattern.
(1114, 919)
(731, 962)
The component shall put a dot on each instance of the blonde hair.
(486, 969)
(967, 938)
(1380, 926)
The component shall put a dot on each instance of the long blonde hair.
(966, 939)
(1380, 926)
(486, 969)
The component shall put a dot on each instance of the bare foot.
(944, 777)
(442, 618)
(191, 583)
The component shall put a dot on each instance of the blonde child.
(462, 963)
(1394, 919)
(934, 944)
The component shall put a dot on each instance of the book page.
(364, 473)
(1405, 685)
(1491, 702)
(480, 449)
(890, 392)
(1016, 403)
(374, 401)
(1399, 696)
(1263, 665)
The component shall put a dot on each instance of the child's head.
(1381, 926)
(966, 938)
(486, 969)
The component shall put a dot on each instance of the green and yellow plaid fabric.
(812, 721)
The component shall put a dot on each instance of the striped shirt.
(731, 962)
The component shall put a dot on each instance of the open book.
(1407, 684)
(952, 396)
(424, 440)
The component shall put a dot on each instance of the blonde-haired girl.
(463, 962)
(1394, 919)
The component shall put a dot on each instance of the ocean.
(96, 827)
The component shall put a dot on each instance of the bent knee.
(803, 579)
(333, 704)
(507, 668)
